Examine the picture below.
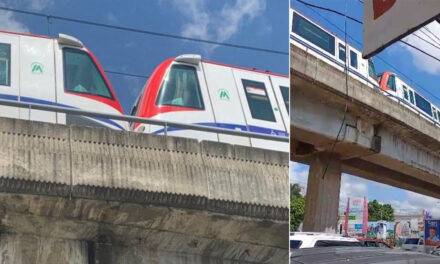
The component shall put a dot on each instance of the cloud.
(299, 174)
(420, 60)
(38, 5)
(351, 186)
(415, 203)
(8, 20)
(215, 25)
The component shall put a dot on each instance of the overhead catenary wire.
(436, 41)
(377, 56)
(332, 149)
(330, 10)
(435, 36)
(426, 41)
(143, 31)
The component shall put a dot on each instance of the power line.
(430, 37)
(422, 51)
(424, 40)
(142, 31)
(330, 10)
(128, 74)
(377, 56)
(427, 29)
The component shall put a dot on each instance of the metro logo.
(382, 6)
(37, 68)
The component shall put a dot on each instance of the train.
(193, 90)
(327, 46)
(392, 84)
(56, 72)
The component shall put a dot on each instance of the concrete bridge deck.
(88, 195)
(380, 140)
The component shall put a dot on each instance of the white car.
(314, 239)
(414, 244)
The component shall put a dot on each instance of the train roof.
(196, 59)
(62, 38)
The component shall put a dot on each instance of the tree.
(378, 211)
(297, 206)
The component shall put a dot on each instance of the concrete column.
(322, 198)
(26, 249)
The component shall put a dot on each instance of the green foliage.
(377, 211)
(297, 207)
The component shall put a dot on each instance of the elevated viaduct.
(88, 195)
(356, 130)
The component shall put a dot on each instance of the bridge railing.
(166, 124)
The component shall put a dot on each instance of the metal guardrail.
(127, 118)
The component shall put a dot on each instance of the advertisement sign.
(380, 229)
(432, 232)
(355, 216)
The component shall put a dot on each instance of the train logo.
(224, 95)
(37, 68)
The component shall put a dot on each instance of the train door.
(281, 90)
(9, 78)
(260, 108)
(37, 77)
(226, 104)
(183, 97)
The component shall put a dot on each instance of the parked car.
(315, 239)
(414, 244)
(359, 255)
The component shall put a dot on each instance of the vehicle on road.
(414, 244)
(359, 255)
(316, 239)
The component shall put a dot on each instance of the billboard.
(355, 214)
(380, 229)
(432, 232)
(386, 21)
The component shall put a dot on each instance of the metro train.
(191, 90)
(392, 84)
(325, 45)
(56, 72)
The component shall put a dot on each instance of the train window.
(353, 59)
(423, 104)
(411, 96)
(5, 64)
(391, 83)
(181, 88)
(434, 113)
(342, 52)
(81, 74)
(313, 33)
(258, 100)
(285, 94)
(372, 70)
(405, 92)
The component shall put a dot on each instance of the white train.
(195, 91)
(56, 72)
(325, 45)
(397, 88)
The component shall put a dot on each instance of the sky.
(257, 23)
(421, 69)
